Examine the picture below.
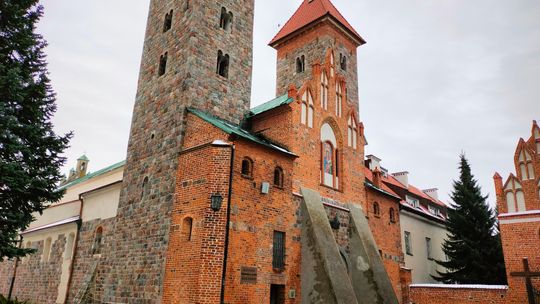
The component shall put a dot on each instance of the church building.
(218, 202)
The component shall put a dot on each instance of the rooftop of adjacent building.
(428, 204)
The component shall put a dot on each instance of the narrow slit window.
(339, 98)
(278, 177)
(343, 62)
(162, 64)
(324, 90)
(168, 21)
(300, 64)
(187, 229)
(222, 64)
(226, 19)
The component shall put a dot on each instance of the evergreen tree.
(473, 247)
(30, 150)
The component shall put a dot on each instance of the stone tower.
(196, 54)
(302, 45)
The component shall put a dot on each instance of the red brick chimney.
(377, 175)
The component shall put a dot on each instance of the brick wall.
(435, 295)
(314, 44)
(387, 234)
(520, 239)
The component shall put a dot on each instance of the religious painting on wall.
(328, 153)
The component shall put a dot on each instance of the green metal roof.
(231, 128)
(92, 175)
(272, 104)
(84, 158)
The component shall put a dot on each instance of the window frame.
(249, 174)
(408, 243)
(279, 176)
(279, 252)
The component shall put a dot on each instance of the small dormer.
(82, 166)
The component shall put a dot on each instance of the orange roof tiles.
(369, 176)
(310, 11)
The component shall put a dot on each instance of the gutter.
(75, 247)
(227, 227)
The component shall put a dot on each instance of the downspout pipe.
(227, 226)
(15, 270)
(75, 247)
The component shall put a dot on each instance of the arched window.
(247, 167)
(332, 64)
(187, 229)
(222, 68)
(352, 132)
(162, 64)
(324, 90)
(520, 201)
(300, 64)
(307, 109)
(69, 247)
(339, 98)
(47, 249)
(376, 209)
(515, 199)
(329, 157)
(98, 241)
(392, 215)
(145, 187)
(226, 19)
(343, 62)
(278, 177)
(168, 21)
(525, 165)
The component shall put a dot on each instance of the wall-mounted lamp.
(335, 224)
(215, 201)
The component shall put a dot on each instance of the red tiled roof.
(412, 189)
(308, 12)
(369, 176)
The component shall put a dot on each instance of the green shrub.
(3, 300)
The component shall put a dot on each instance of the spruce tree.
(30, 159)
(473, 247)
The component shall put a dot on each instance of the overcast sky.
(436, 78)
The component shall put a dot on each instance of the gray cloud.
(436, 78)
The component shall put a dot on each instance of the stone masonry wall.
(37, 280)
(84, 259)
(133, 271)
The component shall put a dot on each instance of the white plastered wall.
(420, 229)
(101, 204)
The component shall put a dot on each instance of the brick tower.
(196, 54)
(303, 45)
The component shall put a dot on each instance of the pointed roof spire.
(309, 13)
